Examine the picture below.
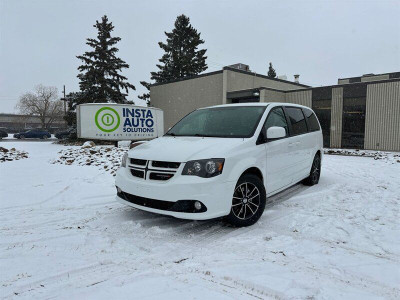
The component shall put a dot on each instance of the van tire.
(247, 207)
(315, 171)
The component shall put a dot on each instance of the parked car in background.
(65, 134)
(3, 133)
(223, 161)
(33, 134)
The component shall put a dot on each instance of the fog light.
(197, 205)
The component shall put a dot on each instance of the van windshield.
(232, 122)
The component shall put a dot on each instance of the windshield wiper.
(203, 135)
(196, 134)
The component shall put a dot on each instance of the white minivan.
(223, 160)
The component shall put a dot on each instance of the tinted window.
(234, 121)
(322, 109)
(276, 117)
(297, 120)
(353, 128)
(311, 120)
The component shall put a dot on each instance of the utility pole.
(65, 102)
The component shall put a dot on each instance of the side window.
(276, 117)
(311, 120)
(297, 120)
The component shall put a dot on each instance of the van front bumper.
(176, 197)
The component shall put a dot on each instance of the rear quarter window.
(312, 120)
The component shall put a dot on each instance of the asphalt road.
(5, 140)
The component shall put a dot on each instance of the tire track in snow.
(63, 190)
(48, 280)
(350, 279)
(22, 243)
(247, 287)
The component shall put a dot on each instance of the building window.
(246, 100)
(322, 109)
(322, 106)
(353, 122)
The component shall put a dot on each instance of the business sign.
(119, 122)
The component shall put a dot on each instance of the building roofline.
(355, 83)
(234, 70)
(369, 75)
(307, 87)
(264, 76)
(188, 78)
(325, 86)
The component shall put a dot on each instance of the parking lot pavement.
(10, 138)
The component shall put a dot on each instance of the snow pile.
(11, 154)
(106, 158)
(63, 236)
(88, 144)
(392, 157)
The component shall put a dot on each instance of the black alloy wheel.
(248, 201)
(315, 171)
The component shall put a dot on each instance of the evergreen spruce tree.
(72, 99)
(145, 96)
(182, 57)
(271, 71)
(100, 78)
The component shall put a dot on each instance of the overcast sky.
(320, 40)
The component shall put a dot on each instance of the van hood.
(183, 149)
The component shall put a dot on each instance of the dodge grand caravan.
(223, 161)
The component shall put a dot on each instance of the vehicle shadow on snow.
(180, 226)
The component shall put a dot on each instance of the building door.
(322, 106)
(353, 122)
(322, 109)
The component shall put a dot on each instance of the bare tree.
(44, 102)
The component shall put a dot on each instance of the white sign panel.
(119, 122)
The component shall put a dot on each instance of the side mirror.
(276, 132)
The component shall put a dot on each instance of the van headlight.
(124, 159)
(204, 167)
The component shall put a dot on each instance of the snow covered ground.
(62, 235)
